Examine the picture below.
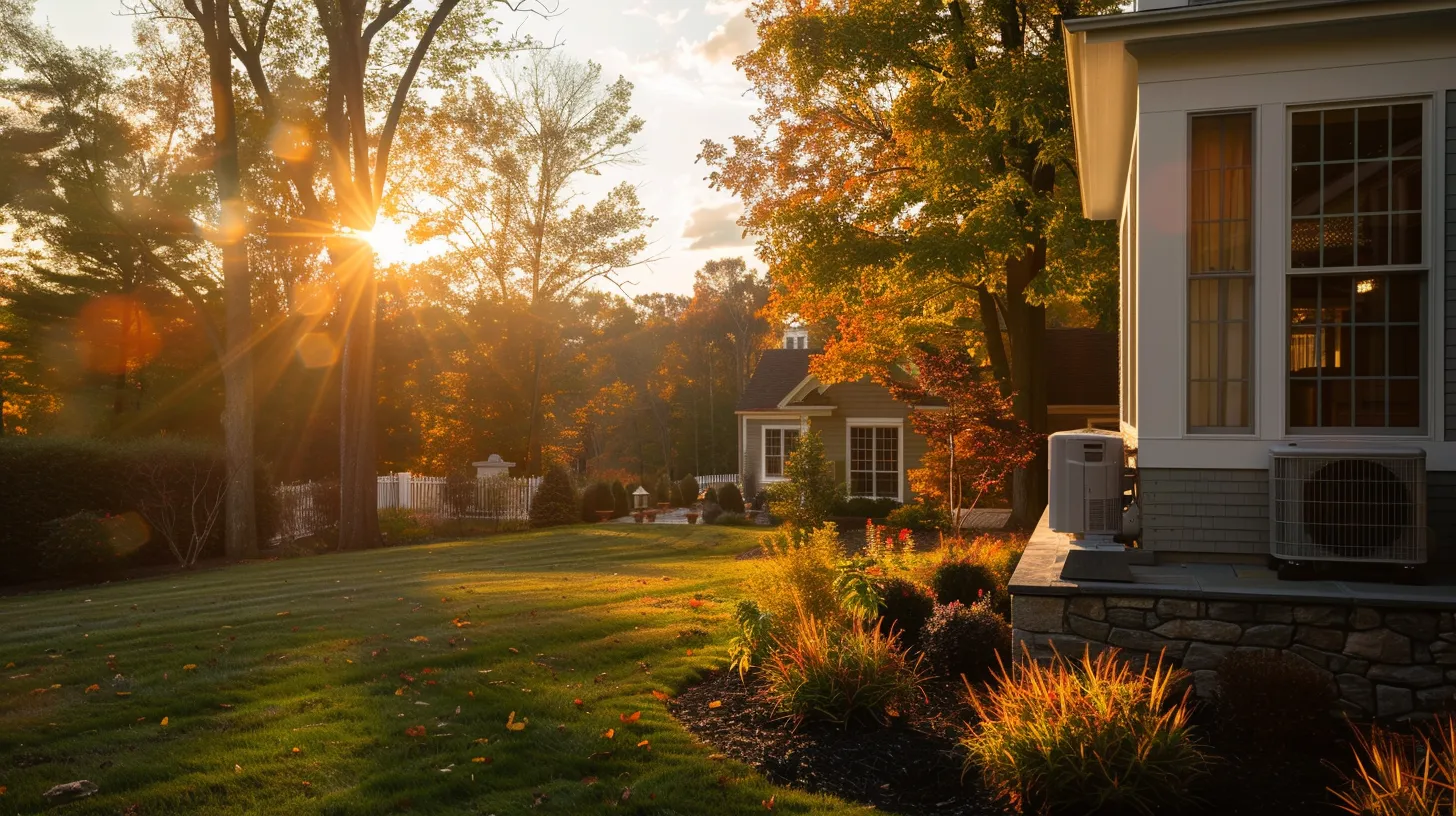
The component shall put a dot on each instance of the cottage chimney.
(796, 337)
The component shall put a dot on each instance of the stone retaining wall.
(1386, 662)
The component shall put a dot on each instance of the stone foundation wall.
(1386, 662)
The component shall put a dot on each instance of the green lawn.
(307, 673)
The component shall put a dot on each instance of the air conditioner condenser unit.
(1085, 488)
(1343, 503)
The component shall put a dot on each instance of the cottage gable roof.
(779, 371)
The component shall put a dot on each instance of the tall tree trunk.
(1027, 326)
(240, 538)
(533, 433)
(353, 261)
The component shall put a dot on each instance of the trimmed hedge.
(43, 479)
(597, 496)
(730, 499)
(621, 504)
(863, 507)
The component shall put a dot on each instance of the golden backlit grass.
(310, 679)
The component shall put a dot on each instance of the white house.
(1281, 171)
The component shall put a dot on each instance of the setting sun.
(392, 245)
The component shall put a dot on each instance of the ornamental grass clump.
(799, 571)
(1399, 775)
(1092, 737)
(840, 674)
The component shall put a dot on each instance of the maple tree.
(973, 438)
(912, 169)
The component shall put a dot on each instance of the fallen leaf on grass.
(123, 694)
(415, 731)
(514, 650)
(645, 744)
(93, 687)
(717, 757)
(297, 750)
(626, 794)
(10, 665)
(609, 733)
(482, 760)
(716, 704)
(695, 603)
(190, 667)
(630, 718)
(585, 780)
(768, 804)
(577, 702)
(512, 725)
(237, 769)
(284, 614)
(663, 696)
(419, 639)
(690, 652)
(164, 722)
(481, 741)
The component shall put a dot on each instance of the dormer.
(796, 337)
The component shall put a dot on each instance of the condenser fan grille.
(1348, 508)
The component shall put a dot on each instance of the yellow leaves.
(512, 725)
(190, 667)
(482, 760)
(237, 769)
(460, 623)
(419, 639)
(415, 731)
(10, 665)
(609, 733)
(93, 687)
(297, 750)
(401, 691)
(123, 694)
(55, 686)
(716, 704)
(165, 720)
(481, 741)
(645, 744)
(662, 696)
(630, 718)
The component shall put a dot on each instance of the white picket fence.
(497, 497)
(716, 479)
(306, 508)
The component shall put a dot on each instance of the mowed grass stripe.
(593, 613)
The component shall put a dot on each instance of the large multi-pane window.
(874, 461)
(1356, 208)
(778, 444)
(1220, 272)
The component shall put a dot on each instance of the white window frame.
(1431, 320)
(763, 430)
(850, 424)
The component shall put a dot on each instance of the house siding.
(1227, 511)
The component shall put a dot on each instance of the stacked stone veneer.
(1386, 662)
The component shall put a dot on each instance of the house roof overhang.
(805, 386)
(1102, 70)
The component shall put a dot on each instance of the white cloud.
(711, 227)
(732, 39)
(724, 8)
(663, 18)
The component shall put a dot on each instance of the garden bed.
(911, 767)
(914, 766)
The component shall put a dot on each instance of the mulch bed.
(910, 767)
(914, 766)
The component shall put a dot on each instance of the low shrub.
(821, 671)
(920, 517)
(998, 553)
(760, 500)
(675, 495)
(905, 606)
(1273, 699)
(1098, 736)
(710, 496)
(401, 527)
(711, 512)
(965, 582)
(1399, 775)
(863, 507)
(731, 499)
(689, 489)
(597, 496)
(731, 520)
(621, 503)
(661, 489)
(753, 632)
(77, 547)
(966, 640)
(554, 502)
(796, 577)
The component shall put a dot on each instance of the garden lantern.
(639, 498)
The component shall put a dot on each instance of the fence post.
(405, 502)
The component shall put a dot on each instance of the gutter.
(1241, 16)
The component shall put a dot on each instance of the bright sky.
(678, 54)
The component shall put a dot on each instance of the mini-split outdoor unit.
(1338, 503)
(1085, 491)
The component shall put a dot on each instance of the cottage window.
(1357, 208)
(874, 461)
(778, 445)
(1220, 273)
